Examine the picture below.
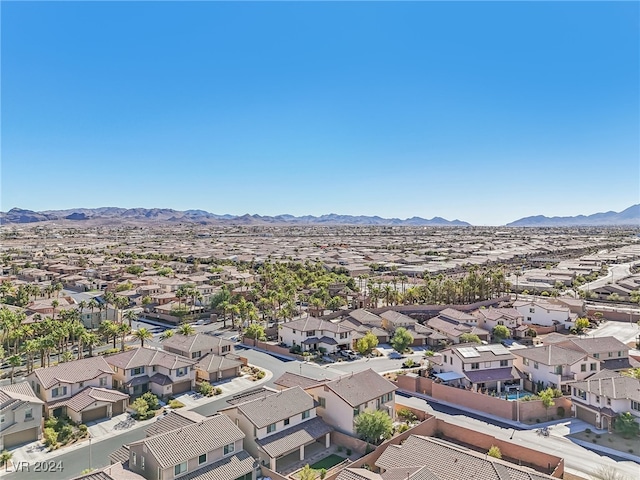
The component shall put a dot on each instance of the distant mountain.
(114, 215)
(628, 217)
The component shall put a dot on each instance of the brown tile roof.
(174, 420)
(287, 440)
(229, 468)
(288, 380)
(595, 345)
(359, 474)
(550, 355)
(194, 343)
(177, 446)
(361, 387)
(251, 395)
(610, 384)
(16, 394)
(396, 317)
(456, 315)
(277, 406)
(87, 396)
(72, 372)
(117, 471)
(215, 363)
(143, 357)
(312, 323)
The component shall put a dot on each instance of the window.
(81, 384)
(286, 422)
(271, 428)
(528, 319)
(610, 354)
(58, 391)
(103, 381)
(475, 366)
(558, 370)
(196, 354)
(343, 335)
(137, 370)
(597, 399)
(134, 459)
(532, 310)
(226, 348)
(635, 405)
(619, 353)
(356, 411)
(451, 360)
(181, 372)
(202, 459)
(305, 414)
(582, 394)
(180, 468)
(37, 388)
(535, 365)
(322, 402)
(1, 418)
(445, 359)
(504, 363)
(142, 462)
(596, 355)
(28, 414)
(500, 322)
(229, 448)
(608, 401)
(583, 367)
(593, 367)
(525, 361)
(311, 333)
(115, 369)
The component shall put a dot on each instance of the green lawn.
(328, 462)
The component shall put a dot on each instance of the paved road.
(616, 272)
(577, 459)
(625, 332)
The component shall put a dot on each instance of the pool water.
(514, 395)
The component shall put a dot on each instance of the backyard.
(325, 465)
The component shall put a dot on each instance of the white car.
(350, 354)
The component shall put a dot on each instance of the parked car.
(395, 356)
(350, 354)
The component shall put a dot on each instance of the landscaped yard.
(328, 462)
(610, 440)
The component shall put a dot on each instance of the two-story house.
(209, 449)
(391, 320)
(20, 415)
(611, 352)
(490, 318)
(476, 366)
(312, 334)
(341, 400)
(80, 389)
(144, 369)
(554, 366)
(540, 312)
(277, 424)
(601, 397)
(453, 324)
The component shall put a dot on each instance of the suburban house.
(546, 314)
(214, 368)
(490, 318)
(453, 324)
(143, 369)
(474, 366)
(20, 415)
(391, 320)
(198, 345)
(209, 449)
(312, 334)
(278, 424)
(428, 458)
(601, 397)
(80, 389)
(116, 471)
(554, 366)
(611, 352)
(341, 400)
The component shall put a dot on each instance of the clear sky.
(486, 112)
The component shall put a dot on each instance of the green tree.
(494, 452)
(366, 344)
(166, 334)
(582, 324)
(152, 400)
(500, 332)
(401, 340)
(14, 361)
(470, 338)
(625, 424)
(307, 473)
(5, 457)
(374, 426)
(632, 372)
(206, 389)
(141, 407)
(142, 334)
(255, 331)
(186, 329)
(547, 397)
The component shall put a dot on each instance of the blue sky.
(486, 112)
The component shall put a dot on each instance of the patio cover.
(447, 376)
(491, 375)
(288, 440)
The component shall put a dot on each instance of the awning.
(448, 376)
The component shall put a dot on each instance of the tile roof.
(177, 446)
(397, 317)
(483, 353)
(359, 474)
(229, 468)
(449, 462)
(13, 395)
(251, 395)
(87, 396)
(361, 387)
(292, 438)
(120, 455)
(457, 315)
(366, 318)
(610, 384)
(277, 406)
(144, 356)
(215, 363)
(194, 343)
(117, 471)
(595, 345)
(173, 420)
(288, 380)
(73, 372)
(550, 355)
(312, 323)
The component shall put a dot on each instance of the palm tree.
(93, 304)
(186, 329)
(14, 361)
(167, 334)
(109, 329)
(55, 304)
(131, 316)
(123, 330)
(143, 334)
(91, 340)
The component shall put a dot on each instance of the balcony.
(568, 378)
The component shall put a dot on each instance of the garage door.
(95, 414)
(118, 407)
(182, 387)
(18, 438)
(586, 415)
(230, 373)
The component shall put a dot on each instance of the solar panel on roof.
(498, 349)
(468, 352)
(483, 348)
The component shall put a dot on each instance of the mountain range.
(116, 215)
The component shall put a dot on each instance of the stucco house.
(311, 333)
(20, 415)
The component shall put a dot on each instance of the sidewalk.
(102, 430)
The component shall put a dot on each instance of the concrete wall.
(423, 312)
(347, 441)
(266, 472)
(270, 347)
(615, 316)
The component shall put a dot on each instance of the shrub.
(152, 401)
(65, 433)
(537, 420)
(494, 452)
(323, 473)
(217, 391)
(407, 415)
(176, 404)
(587, 430)
(630, 450)
(429, 353)
(403, 427)
(50, 437)
(339, 448)
(83, 429)
(140, 407)
(260, 375)
(205, 388)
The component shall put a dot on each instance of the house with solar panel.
(478, 367)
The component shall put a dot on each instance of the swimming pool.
(514, 394)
